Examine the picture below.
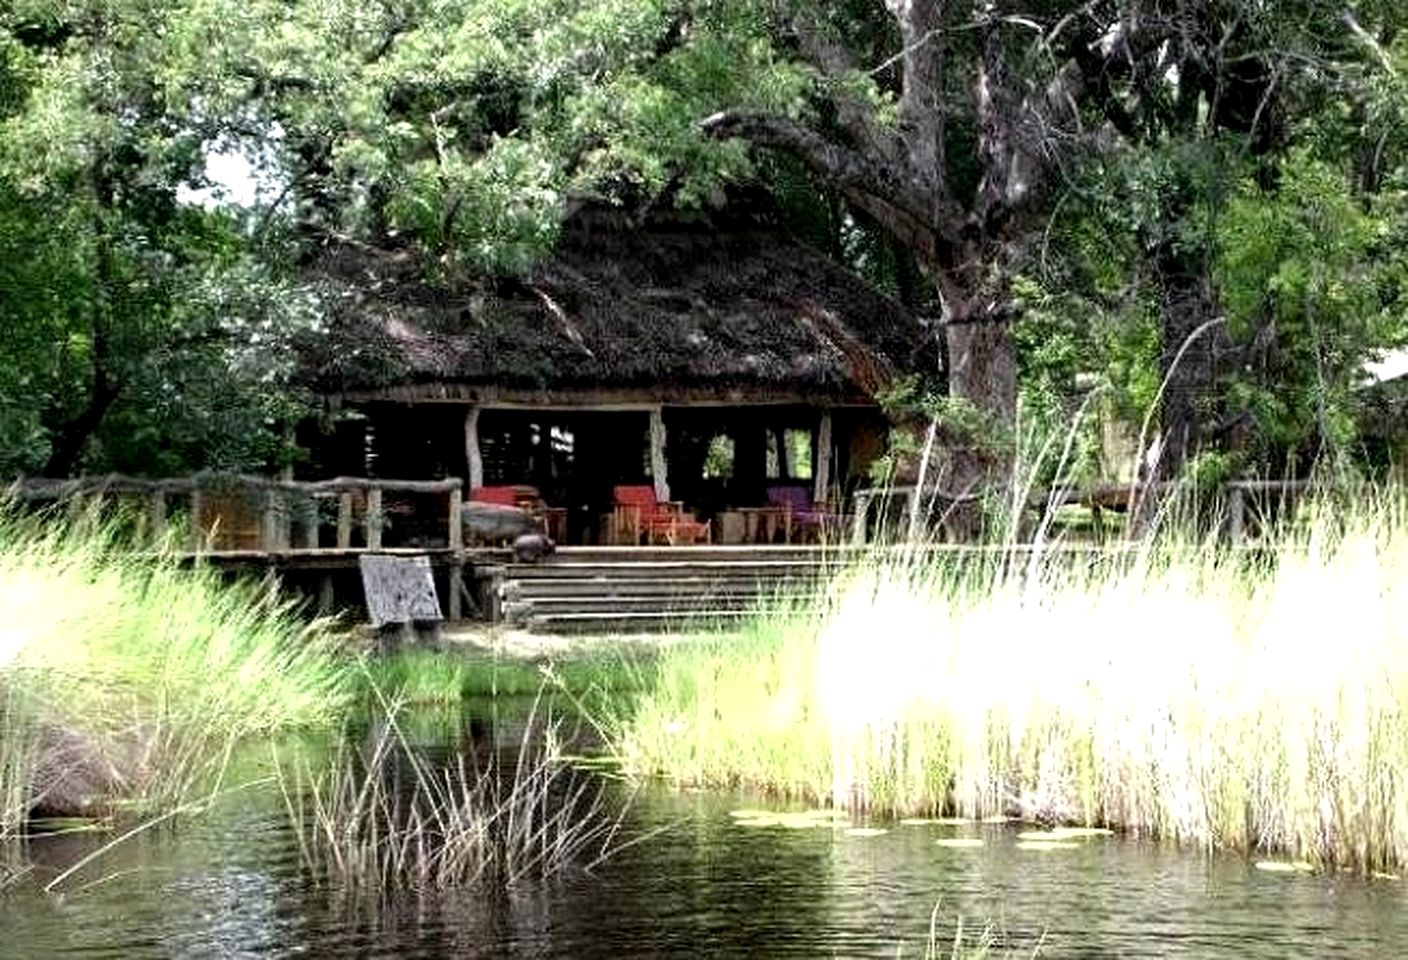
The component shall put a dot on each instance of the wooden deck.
(310, 536)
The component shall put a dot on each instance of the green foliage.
(149, 328)
(1055, 349)
(469, 123)
(147, 324)
(1312, 279)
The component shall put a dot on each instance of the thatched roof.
(676, 305)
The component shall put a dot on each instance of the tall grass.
(16, 759)
(153, 666)
(1184, 690)
(965, 944)
(441, 677)
(390, 818)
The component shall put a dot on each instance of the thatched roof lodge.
(708, 355)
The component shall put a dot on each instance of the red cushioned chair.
(637, 517)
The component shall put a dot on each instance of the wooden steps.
(646, 590)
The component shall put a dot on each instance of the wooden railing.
(283, 506)
(913, 506)
(287, 521)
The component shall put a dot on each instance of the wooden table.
(761, 524)
(733, 526)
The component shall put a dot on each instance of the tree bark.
(907, 179)
(1194, 355)
(982, 375)
(70, 439)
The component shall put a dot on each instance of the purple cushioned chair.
(805, 516)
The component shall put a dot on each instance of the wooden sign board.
(399, 589)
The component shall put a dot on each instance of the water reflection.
(229, 885)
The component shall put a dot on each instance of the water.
(228, 884)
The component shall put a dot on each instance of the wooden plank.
(823, 459)
(341, 484)
(344, 521)
(39, 488)
(326, 595)
(372, 522)
(399, 589)
(197, 533)
(456, 541)
(1237, 514)
(271, 522)
(658, 467)
(473, 454)
(455, 536)
(620, 399)
(308, 523)
(456, 587)
(861, 518)
(156, 516)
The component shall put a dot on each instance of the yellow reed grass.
(1223, 698)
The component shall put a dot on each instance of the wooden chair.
(637, 517)
(804, 519)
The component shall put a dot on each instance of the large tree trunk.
(70, 439)
(982, 376)
(1194, 356)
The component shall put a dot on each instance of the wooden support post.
(76, 506)
(658, 466)
(823, 459)
(197, 532)
(271, 535)
(156, 517)
(471, 448)
(862, 516)
(1236, 514)
(326, 595)
(454, 607)
(344, 521)
(372, 522)
(308, 521)
(456, 531)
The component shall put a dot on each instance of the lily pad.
(1065, 833)
(866, 832)
(1047, 845)
(795, 821)
(1284, 866)
(757, 822)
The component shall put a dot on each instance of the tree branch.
(856, 116)
(922, 24)
(878, 189)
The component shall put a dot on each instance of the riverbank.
(126, 678)
(1184, 691)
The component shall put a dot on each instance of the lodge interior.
(718, 458)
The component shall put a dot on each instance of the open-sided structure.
(709, 356)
